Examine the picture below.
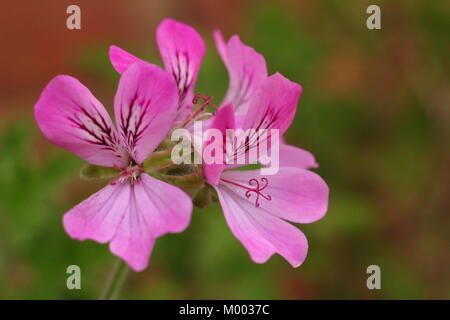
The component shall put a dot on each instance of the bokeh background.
(374, 111)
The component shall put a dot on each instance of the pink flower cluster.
(136, 207)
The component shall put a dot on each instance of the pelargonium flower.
(253, 100)
(247, 72)
(182, 50)
(134, 209)
(256, 207)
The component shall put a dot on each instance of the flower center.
(129, 175)
(254, 188)
(206, 103)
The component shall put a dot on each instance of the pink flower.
(182, 50)
(256, 207)
(135, 209)
(247, 72)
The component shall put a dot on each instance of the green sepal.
(98, 172)
(157, 160)
(247, 167)
(164, 145)
(202, 198)
(214, 195)
(192, 181)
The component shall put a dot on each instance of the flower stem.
(115, 281)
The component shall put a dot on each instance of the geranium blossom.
(134, 209)
(247, 71)
(182, 50)
(253, 101)
(255, 206)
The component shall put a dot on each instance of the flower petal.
(98, 217)
(274, 105)
(145, 107)
(223, 120)
(71, 117)
(291, 156)
(269, 116)
(121, 59)
(156, 208)
(133, 241)
(297, 195)
(170, 207)
(182, 50)
(246, 69)
(261, 233)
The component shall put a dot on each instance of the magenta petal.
(121, 59)
(246, 70)
(71, 117)
(275, 104)
(223, 120)
(156, 208)
(168, 208)
(131, 217)
(297, 195)
(145, 107)
(261, 233)
(291, 156)
(182, 50)
(133, 241)
(98, 217)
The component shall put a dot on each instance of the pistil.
(255, 189)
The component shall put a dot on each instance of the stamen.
(256, 189)
(129, 175)
(206, 103)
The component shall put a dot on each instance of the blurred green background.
(374, 111)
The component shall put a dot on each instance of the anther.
(128, 175)
(206, 103)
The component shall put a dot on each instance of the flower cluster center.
(129, 175)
